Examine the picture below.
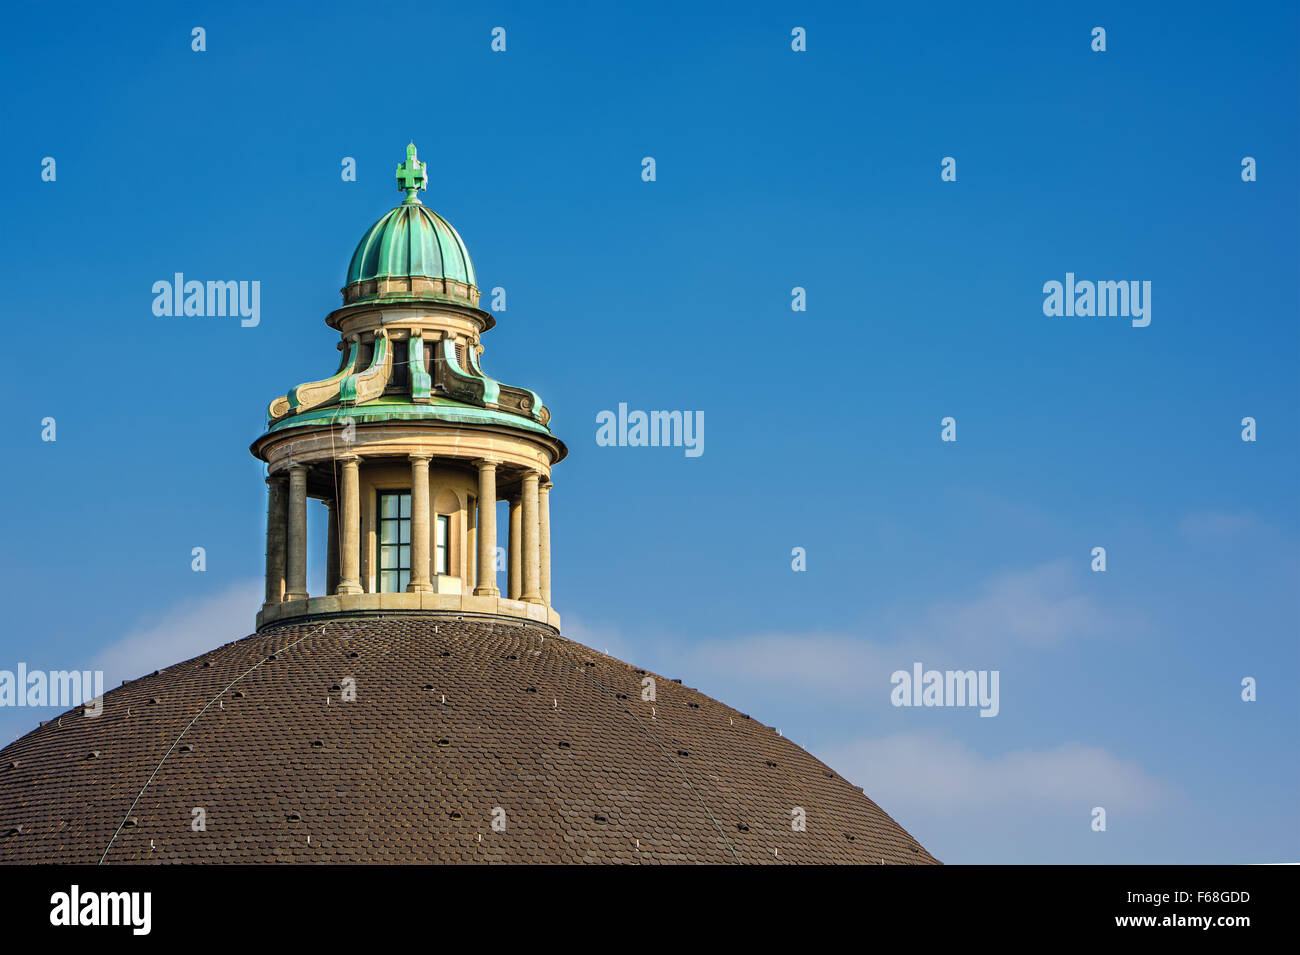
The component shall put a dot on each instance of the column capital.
(419, 457)
(486, 464)
(348, 457)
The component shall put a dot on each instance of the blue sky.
(775, 169)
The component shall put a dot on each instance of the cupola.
(410, 445)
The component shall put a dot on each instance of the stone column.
(531, 549)
(332, 547)
(515, 555)
(420, 582)
(487, 530)
(471, 544)
(296, 560)
(544, 537)
(277, 514)
(350, 526)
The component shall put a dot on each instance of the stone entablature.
(465, 324)
(396, 439)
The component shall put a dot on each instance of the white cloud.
(937, 776)
(824, 662)
(1044, 607)
(181, 632)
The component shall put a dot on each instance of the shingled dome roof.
(467, 741)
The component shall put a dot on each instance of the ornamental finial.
(411, 176)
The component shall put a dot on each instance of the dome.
(411, 241)
(465, 740)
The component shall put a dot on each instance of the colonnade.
(529, 553)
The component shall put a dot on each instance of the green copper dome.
(411, 240)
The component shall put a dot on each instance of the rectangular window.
(440, 545)
(394, 541)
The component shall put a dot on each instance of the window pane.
(440, 560)
(387, 505)
(388, 558)
(442, 532)
(403, 579)
(388, 581)
(404, 530)
(388, 532)
(406, 505)
(406, 557)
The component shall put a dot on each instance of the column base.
(299, 596)
(486, 592)
(419, 588)
(453, 604)
(349, 589)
